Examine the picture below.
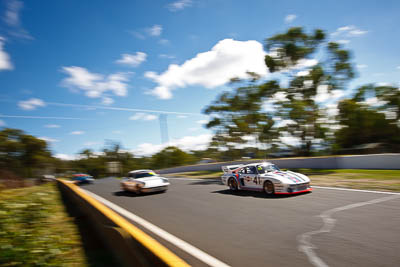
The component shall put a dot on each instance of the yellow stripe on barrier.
(151, 244)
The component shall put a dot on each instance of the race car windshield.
(267, 168)
(145, 174)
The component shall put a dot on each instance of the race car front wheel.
(269, 188)
(232, 184)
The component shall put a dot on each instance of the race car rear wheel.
(233, 186)
(269, 188)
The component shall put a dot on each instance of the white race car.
(144, 181)
(265, 177)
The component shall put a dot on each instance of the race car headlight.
(140, 185)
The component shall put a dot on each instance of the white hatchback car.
(144, 181)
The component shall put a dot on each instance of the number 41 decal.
(257, 180)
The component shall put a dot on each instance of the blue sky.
(77, 73)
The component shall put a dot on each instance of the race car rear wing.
(230, 168)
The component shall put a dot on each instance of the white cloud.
(91, 143)
(332, 109)
(280, 96)
(179, 5)
(290, 18)
(282, 123)
(11, 16)
(52, 126)
(143, 116)
(166, 56)
(93, 84)
(186, 143)
(357, 32)
(163, 41)
(77, 132)
(350, 31)
(13, 21)
(133, 60)
(336, 94)
(303, 73)
(374, 102)
(290, 140)
(31, 104)
(322, 93)
(117, 132)
(398, 67)
(137, 35)
(193, 129)
(343, 41)
(361, 66)
(48, 139)
(156, 30)
(107, 101)
(181, 116)
(383, 84)
(305, 63)
(65, 157)
(203, 122)
(227, 59)
(2, 123)
(5, 63)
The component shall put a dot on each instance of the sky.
(79, 74)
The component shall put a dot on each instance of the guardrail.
(373, 161)
(129, 244)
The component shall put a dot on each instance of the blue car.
(82, 178)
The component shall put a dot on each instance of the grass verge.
(35, 229)
(382, 180)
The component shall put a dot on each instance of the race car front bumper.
(295, 189)
(154, 189)
(296, 192)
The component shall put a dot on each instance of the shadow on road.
(133, 194)
(207, 182)
(256, 194)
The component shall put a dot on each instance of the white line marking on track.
(356, 190)
(194, 179)
(195, 252)
(304, 240)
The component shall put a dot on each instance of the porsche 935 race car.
(144, 181)
(265, 177)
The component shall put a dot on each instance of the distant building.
(114, 167)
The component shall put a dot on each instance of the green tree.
(361, 125)
(237, 117)
(288, 53)
(376, 123)
(239, 113)
(22, 153)
(170, 157)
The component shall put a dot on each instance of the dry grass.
(35, 229)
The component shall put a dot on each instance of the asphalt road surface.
(324, 228)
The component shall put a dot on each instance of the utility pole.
(163, 128)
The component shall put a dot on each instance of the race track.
(324, 228)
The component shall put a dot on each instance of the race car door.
(250, 176)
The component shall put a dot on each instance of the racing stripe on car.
(292, 178)
(298, 176)
(238, 180)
